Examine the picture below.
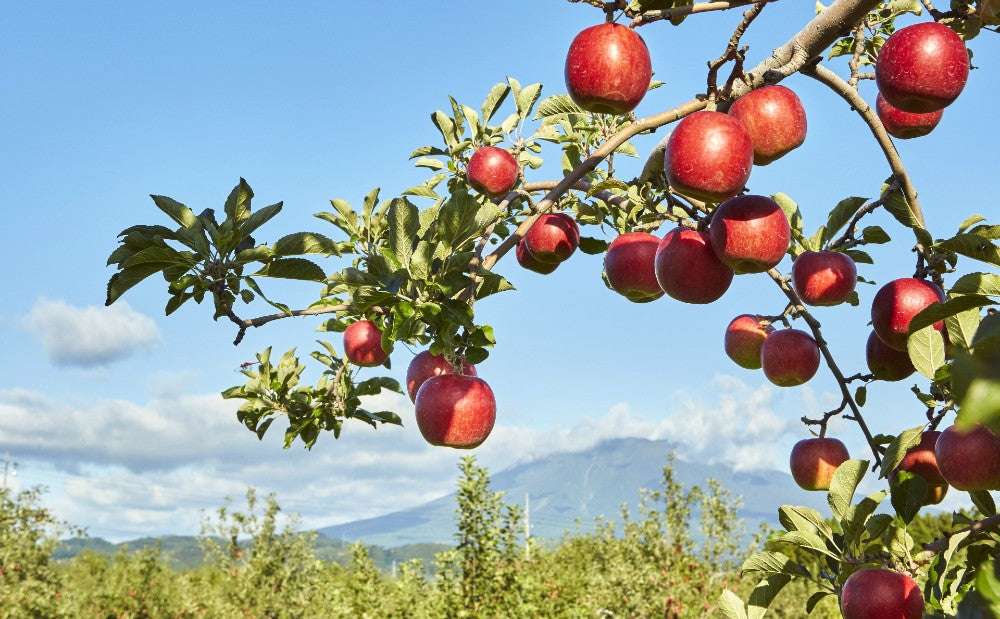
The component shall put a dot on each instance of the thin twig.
(698, 7)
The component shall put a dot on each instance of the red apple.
(885, 362)
(922, 68)
(608, 69)
(454, 410)
(492, 171)
(425, 365)
(708, 156)
(905, 125)
(896, 304)
(553, 237)
(789, 357)
(969, 460)
(688, 270)
(881, 594)
(824, 277)
(744, 337)
(526, 260)
(814, 461)
(921, 460)
(750, 233)
(774, 119)
(629, 265)
(363, 344)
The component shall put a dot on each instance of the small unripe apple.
(492, 171)
(885, 362)
(750, 234)
(744, 337)
(880, 594)
(553, 237)
(789, 357)
(687, 268)
(526, 260)
(905, 125)
(708, 156)
(969, 460)
(774, 119)
(895, 305)
(363, 344)
(454, 410)
(629, 266)
(813, 461)
(426, 365)
(922, 68)
(608, 69)
(824, 277)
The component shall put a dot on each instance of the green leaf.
(526, 99)
(770, 562)
(791, 210)
(732, 606)
(258, 218)
(299, 243)
(857, 516)
(446, 126)
(763, 594)
(557, 105)
(177, 211)
(936, 312)
(293, 268)
(840, 216)
(926, 350)
(593, 246)
(909, 493)
(875, 234)
(973, 246)
(859, 256)
(897, 205)
(494, 100)
(962, 327)
(981, 402)
(237, 207)
(845, 481)
(128, 277)
(817, 597)
(896, 450)
(971, 221)
(404, 222)
(492, 283)
(983, 502)
(606, 184)
(977, 283)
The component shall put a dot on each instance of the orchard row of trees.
(672, 558)
(416, 265)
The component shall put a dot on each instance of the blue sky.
(117, 410)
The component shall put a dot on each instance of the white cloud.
(90, 336)
(125, 469)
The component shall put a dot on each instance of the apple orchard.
(412, 269)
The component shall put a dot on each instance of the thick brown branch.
(698, 7)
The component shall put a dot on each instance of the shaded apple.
(905, 125)
(425, 365)
(492, 171)
(895, 305)
(553, 237)
(774, 119)
(789, 357)
(875, 593)
(526, 260)
(921, 460)
(969, 460)
(454, 410)
(744, 337)
(708, 156)
(687, 268)
(885, 362)
(922, 68)
(629, 266)
(824, 277)
(750, 234)
(608, 69)
(813, 461)
(363, 344)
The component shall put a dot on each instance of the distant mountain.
(567, 491)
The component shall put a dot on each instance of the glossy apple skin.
(750, 234)
(553, 238)
(688, 270)
(879, 593)
(824, 277)
(969, 460)
(492, 171)
(922, 68)
(453, 410)
(813, 462)
(526, 260)
(426, 365)
(744, 337)
(629, 266)
(774, 119)
(885, 362)
(895, 305)
(608, 69)
(363, 344)
(708, 156)
(789, 357)
(905, 125)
